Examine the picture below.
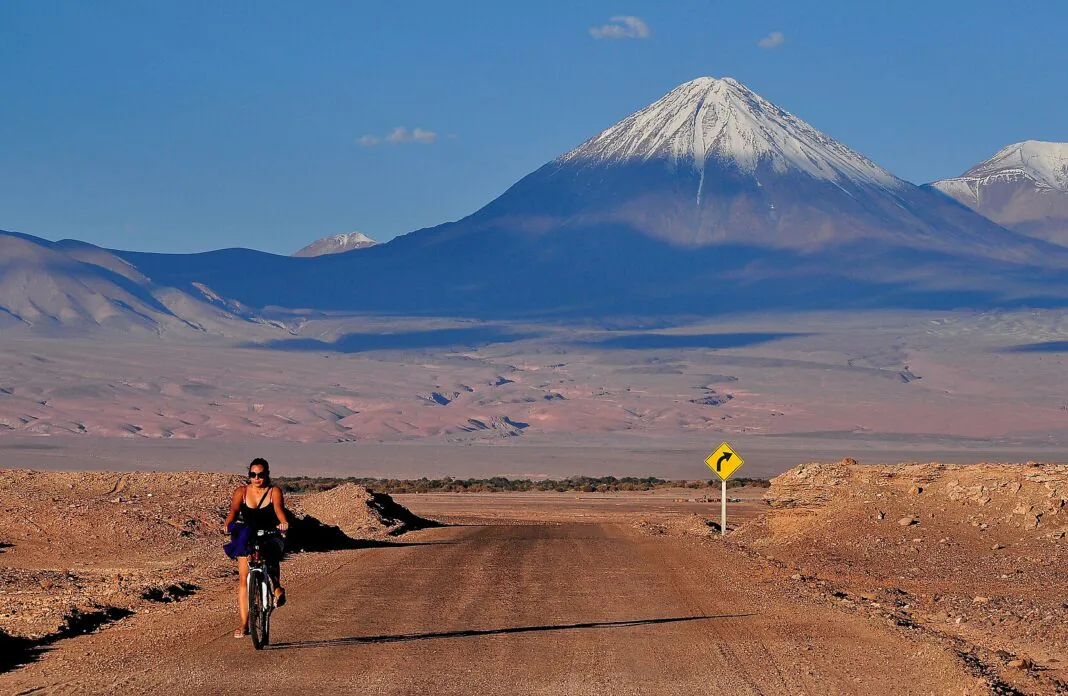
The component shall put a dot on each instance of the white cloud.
(424, 136)
(621, 27)
(772, 40)
(400, 135)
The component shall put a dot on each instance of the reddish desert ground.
(840, 578)
(984, 382)
(117, 454)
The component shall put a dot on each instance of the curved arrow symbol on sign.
(725, 457)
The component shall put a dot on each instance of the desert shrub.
(497, 484)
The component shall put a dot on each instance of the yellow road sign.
(724, 461)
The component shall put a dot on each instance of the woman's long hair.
(266, 469)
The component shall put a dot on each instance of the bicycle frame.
(260, 595)
(260, 579)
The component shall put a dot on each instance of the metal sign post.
(723, 508)
(724, 462)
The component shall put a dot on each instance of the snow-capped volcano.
(723, 120)
(336, 244)
(711, 199)
(1043, 165)
(1024, 187)
(714, 163)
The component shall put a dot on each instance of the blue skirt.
(241, 536)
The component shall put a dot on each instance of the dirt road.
(596, 608)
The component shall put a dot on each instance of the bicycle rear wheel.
(258, 609)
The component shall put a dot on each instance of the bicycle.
(260, 590)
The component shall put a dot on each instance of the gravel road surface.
(521, 608)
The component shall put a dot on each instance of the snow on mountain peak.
(711, 119)
(336, 244)
(1043, 162)
(351, 238)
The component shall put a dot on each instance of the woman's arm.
(235, 505)
(280, 508)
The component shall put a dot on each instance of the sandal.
(280, 597)
(240, 632)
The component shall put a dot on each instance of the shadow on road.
(309, 534)
(349, 544)
(17, 650)
(405, 637)
(376, 544)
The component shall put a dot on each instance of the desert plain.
(912, 539)
(947, 386)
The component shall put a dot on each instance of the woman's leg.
(275, 568)
(242, 591)
(279, 591)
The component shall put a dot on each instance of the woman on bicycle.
(255, 506)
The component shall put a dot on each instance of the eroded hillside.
(975, 554)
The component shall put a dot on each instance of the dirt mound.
(100, 544)
(81, 549)
(678, 525)
(72, 518)
(360, 513)
(977, 553)
(1006, 503)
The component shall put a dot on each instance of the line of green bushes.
(496, 484)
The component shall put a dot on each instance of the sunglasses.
(257, 475)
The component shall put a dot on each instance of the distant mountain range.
(72, 286)
(709, 200)
(337, 244)
(1023, 187)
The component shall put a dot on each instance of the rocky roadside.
(974, 556)
(79, 551)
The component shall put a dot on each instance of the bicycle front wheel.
(258, 610)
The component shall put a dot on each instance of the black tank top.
(259, 517)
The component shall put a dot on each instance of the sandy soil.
(975, 554)
(585, 593)
(570, 608)
(77, 550)
(969, 379)
(531, 456)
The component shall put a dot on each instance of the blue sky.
(187, 126)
